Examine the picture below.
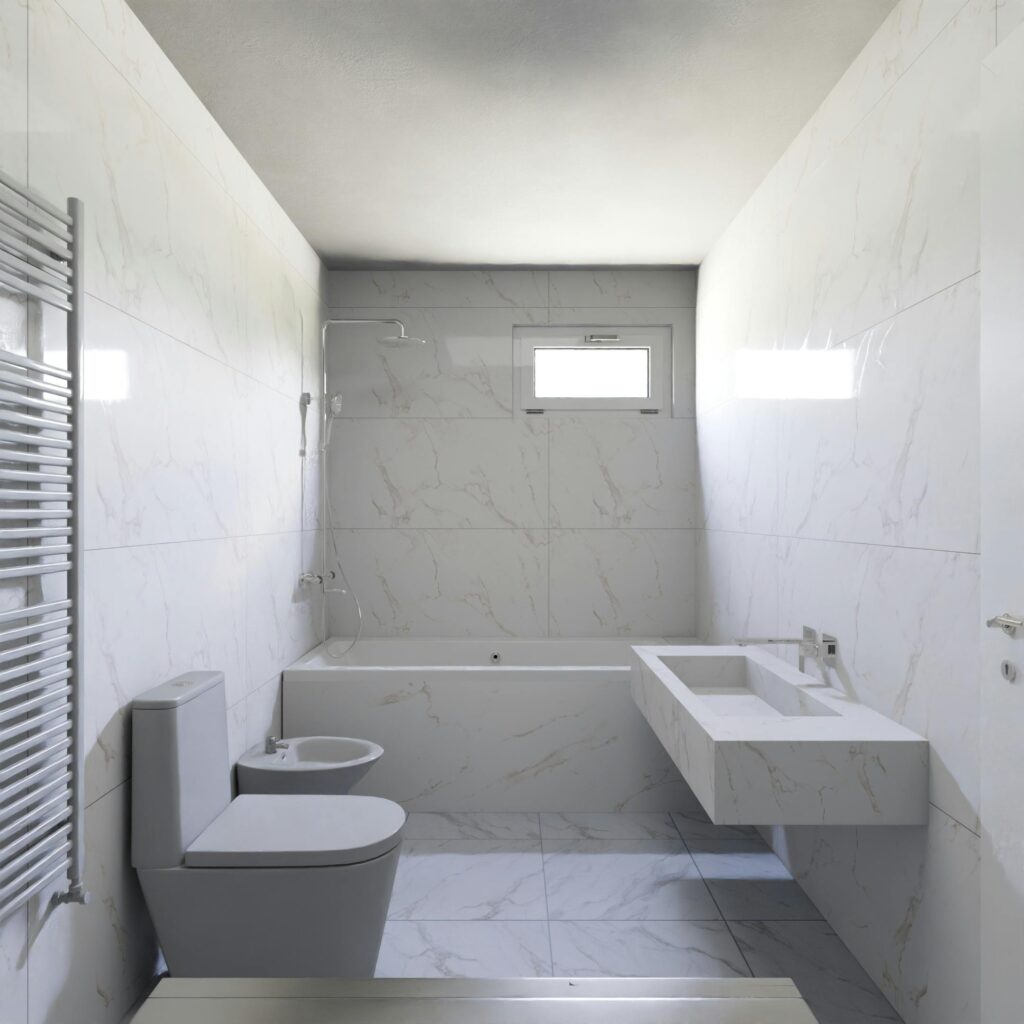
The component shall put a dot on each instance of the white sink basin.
(307, 764)
(762, 744)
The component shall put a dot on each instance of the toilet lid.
(276, 831)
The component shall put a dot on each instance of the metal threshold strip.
(470, 1001)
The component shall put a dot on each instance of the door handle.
(1008, 623)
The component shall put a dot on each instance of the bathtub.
(490, 725)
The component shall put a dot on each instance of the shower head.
(401, 338)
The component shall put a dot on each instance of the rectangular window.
(590, 368)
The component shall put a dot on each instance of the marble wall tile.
(91, 962)
(465, 949)
(440, 473)
(623, 288)
(623, 471)
(907, 623)
(263, 712)
(1009, 16)
(13, 976)
(13, 86)
(865, 237)
(166, 453)
(738, 584)
(908, 30)
(540, 743)
(906, 903)
(636, 949)
(622, 583)
(272, 426)
(434, 289)
(117, 33)
(738, 449)
(445, 582)
(464, 369)
(274, 324)
(153, 613)
(897, 463)
(281, 615)
(900, 195)
(680, 320)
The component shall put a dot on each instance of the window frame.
(657, 339)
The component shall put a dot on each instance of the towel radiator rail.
(41, 667)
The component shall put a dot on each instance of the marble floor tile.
(624, 880)
(465, 949)
(471, 825)
(749, 883)
(625, 825)
(836, 987)
(653, 949)
(696, 824)
(469, 880)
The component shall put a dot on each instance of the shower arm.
(336, 322)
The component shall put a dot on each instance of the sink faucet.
(823, 649)
(273, 745)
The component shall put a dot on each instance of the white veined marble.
(620, 288)
(464, 949)
(622, 471)
(428, 289)
(622, 825)
(622, 582)
(499, 739)
(444, 582)
(469, 880)
(624, 880)
(605, 949)
(472, 825)
(439, 473)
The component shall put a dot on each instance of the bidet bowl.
(307, 764)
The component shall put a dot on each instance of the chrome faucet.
(823, 649)
(273, 745)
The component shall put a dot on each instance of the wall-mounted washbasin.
(762, 744)
(307, 764)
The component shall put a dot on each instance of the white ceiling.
(512, 132)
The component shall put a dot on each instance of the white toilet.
(272, 886)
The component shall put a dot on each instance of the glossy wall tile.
(839, 489)
(201, 310)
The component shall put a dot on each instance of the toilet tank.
(181, 776)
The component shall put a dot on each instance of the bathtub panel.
(518, 740)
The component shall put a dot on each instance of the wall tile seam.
(811, 172)
(835, 540)
(62, 4)
(214, 539)
(904, 309)
(952, 817)
(291, 396)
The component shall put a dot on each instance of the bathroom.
(326, 252)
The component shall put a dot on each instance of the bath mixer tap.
(273, 745)
(823, 649)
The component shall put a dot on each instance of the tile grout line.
(547, 909)
(728, 927)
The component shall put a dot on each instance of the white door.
(1002, 533)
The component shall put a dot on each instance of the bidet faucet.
(273, 745)
(823, 649)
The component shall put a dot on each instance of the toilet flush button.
(1008, 671)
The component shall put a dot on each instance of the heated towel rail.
(41, 752)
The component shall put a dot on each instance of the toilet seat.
(298, 831)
